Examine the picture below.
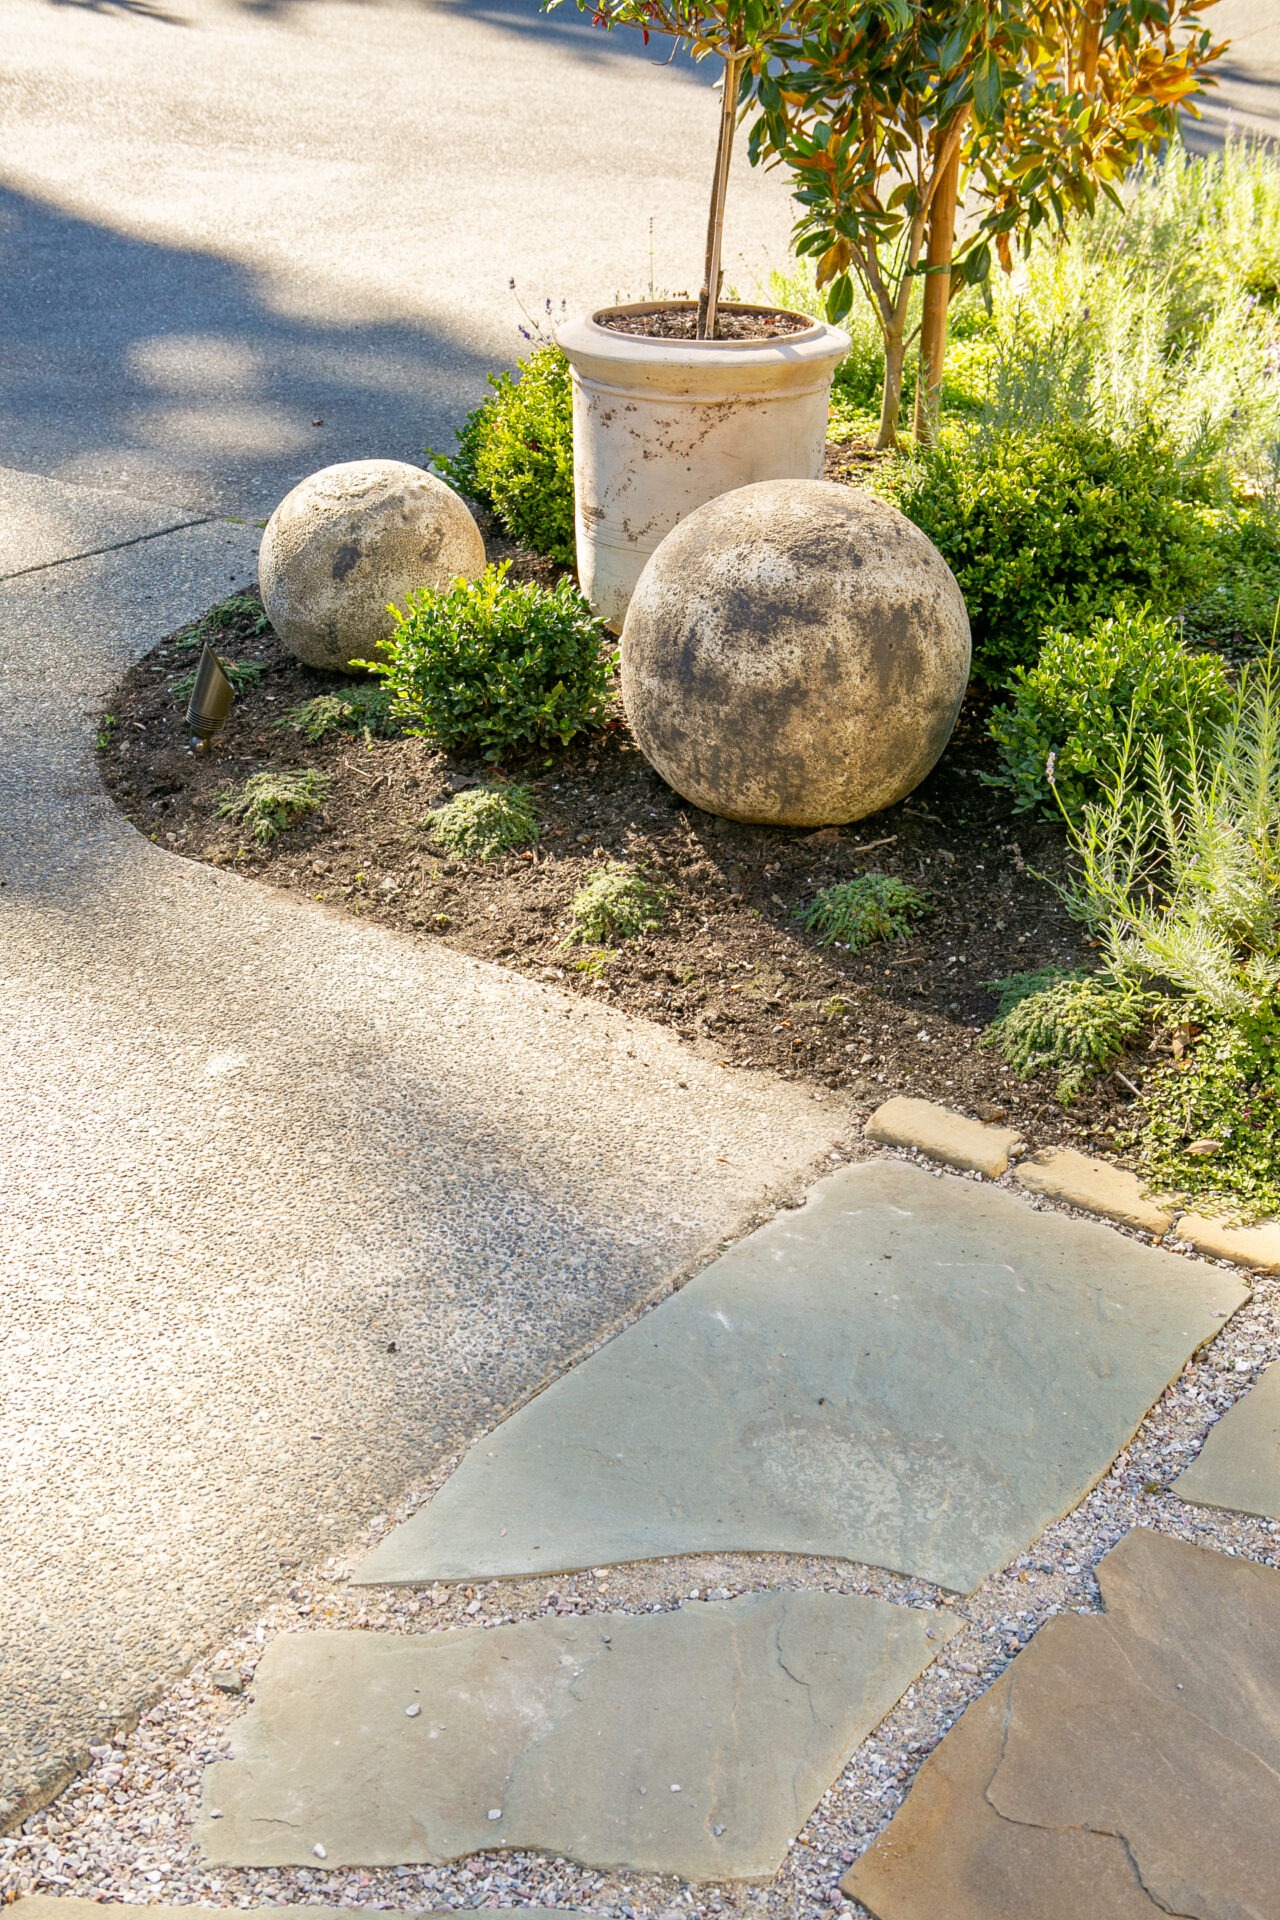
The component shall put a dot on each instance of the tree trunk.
(709, 298)
(895, 354)
(937, 299)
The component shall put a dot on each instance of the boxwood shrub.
(493, 668)
(515, 454)
(1085, 690)
(1049, 528)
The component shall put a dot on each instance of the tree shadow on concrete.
(1245, 105)
(129, 364)
(135, 9)
(575, 30)
(566, 26)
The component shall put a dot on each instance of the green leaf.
(986, 88)
(976, 266)
(952, 48)
(839, 298)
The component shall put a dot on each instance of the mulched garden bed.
(731, 969)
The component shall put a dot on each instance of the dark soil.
(732, 323)
(731, 970)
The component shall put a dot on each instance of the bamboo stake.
(937, 297)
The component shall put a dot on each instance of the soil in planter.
(731, 969)
(732, 323)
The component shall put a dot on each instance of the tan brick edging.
(1060, 1173)
(967, 1144)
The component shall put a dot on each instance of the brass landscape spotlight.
(210, 701)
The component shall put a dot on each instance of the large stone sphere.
(795, 652)
(352, 540)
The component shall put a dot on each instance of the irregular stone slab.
(1238, 1467)
(912, 1371)
(944, 1135)
(949, 1856)
(696, 1742)
(1127, 1765)
(1062, 1174)
(1247, 1246)
(47, 1906)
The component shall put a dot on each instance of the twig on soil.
(377, 779)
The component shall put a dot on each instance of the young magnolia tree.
(737, 32)
(892, 113)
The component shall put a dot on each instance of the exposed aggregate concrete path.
(292, 1205)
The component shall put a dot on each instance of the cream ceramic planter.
(661, 426)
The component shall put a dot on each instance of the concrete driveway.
(225, 221)
(1246, 100)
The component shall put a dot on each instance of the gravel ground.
(123, 1831)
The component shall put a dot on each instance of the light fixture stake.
(211, 700)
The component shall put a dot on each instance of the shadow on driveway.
(565, 25)
(163, 371)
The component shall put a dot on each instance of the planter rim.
(605, 355)
(664, 344)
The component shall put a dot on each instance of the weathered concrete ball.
(352, 540)
(795, 652)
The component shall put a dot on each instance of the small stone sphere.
(795, 653)
(352, 540)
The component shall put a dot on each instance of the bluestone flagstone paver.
(947, 1855)
(1126, 1765)
(1238, 1467)
(292, 1205)
(695, 1742)
(912, 1370)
